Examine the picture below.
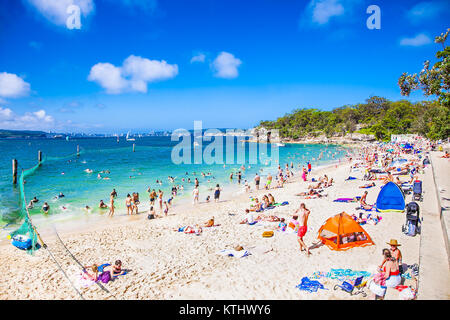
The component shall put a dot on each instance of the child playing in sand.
(282, 225)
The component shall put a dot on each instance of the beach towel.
(234, 253)
(310, 285)
(356, 199)
(350, 178)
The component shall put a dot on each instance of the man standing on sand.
(303, 214)
(257, 179)
(195, 193)
(309, 167)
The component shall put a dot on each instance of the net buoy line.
(44, 245)
(29, 227)
(79, 263)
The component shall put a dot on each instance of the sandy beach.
(164, 264)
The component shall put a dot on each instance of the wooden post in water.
(133, 147)
(39, 157)
(78, 150)
(14, 171)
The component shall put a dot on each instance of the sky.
(144, 65)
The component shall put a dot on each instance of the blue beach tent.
(391, 198)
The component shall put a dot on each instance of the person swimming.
(102, 205)
(46, 207)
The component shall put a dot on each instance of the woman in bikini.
(389, 277)
(129, 204)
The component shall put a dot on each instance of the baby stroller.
(417, 190)
(411, 227)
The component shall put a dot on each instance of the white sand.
(170, 265)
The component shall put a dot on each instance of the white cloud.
(419, 40)
(226, 65)
(133, 75)
(5, 114)
(38, 120)
(323, 10)
(108, 76)
(12, 86)
(56, 10)
(198, 58)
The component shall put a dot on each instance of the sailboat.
(128, 137)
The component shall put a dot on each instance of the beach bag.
(377, 289)
(406, 294)
(267, 234)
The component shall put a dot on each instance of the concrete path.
(434, 272)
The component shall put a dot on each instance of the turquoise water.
(62, 171)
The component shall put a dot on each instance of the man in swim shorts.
(303, 226)
(257, 179)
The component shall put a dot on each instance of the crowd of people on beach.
(381, 163)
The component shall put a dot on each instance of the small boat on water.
(128, 137)
(278, 144)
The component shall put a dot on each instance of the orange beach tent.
(341, 232)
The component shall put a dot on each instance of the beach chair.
(353, 289)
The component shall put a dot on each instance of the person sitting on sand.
(151, 213)
(271, 199)
(102, 205)
(210, 223)
(266, 203)
(282, 225)
(249, 219)
(395, 253)
(363, 203)
(389, 275)
(257, 206)
(446, 155)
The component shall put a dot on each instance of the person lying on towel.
(368, 185)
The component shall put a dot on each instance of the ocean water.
(62, 171)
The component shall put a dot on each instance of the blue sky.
(140, 65)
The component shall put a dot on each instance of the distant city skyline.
(160, 65)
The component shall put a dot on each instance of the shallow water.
(62, 171)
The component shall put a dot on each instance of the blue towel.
(310, 285)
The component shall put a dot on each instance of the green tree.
(434, 81)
